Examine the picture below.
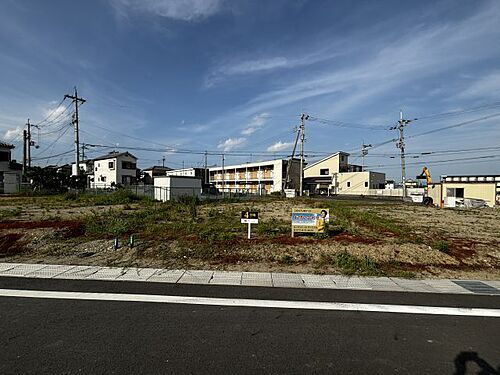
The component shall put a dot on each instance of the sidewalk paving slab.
(78, 272)
(106, 273)
(226, 278)
(494, 284)
(49, 271)
(350, 282)
(263, 279)
(414, 285)
(136, 274)
(166, 276)
(287, 280)
(23, 269)
(8, 266)
(382, 283)
(445, 286)
(196, 277)
(256, 279)
(318, 281)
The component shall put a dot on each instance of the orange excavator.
(427, 201)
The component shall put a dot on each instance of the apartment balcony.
(244, 177)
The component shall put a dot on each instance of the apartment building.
(115, 168)
(262, 177)
(334, 175)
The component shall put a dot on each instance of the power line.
(438, 161)
(51, 113)
(460, 112)
(55, 141)
(54, 156)
(342, 124)
(455, 125)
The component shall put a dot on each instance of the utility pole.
(206, 166)
(76, 124)
(401, 145)
(83, 151)
(163, 161)
(29, 143)
(364, 152)
(303, 117)
(223, 177)
(288, 168)
(25, 151)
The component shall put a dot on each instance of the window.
(111, 165)
(103, 178)
(341, 157)
(4, 156)
(348, 183)
(366, 183)
(324, 172)
(128, 165)
(455, 192)
(96, 168)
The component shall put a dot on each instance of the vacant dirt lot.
(364, 237)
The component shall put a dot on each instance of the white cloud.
(184, 10)
(231, 143)
(280, 146)
(267, 64)
(427, 52)
(488, 86)
(12, 133)
(257, 123)
(256, 65)
(54, 113)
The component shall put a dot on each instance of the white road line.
(240, 302)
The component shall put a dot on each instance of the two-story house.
(113, 169)
(334, 175)
(10, 171)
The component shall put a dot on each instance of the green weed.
(441, 245)
(350, 264)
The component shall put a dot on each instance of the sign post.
(249, 217)
(312, 220)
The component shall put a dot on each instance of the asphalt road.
(52, 336)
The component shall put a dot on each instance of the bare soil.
(381, 238)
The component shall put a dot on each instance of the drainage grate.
(477, 287)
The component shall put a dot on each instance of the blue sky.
(229, 76)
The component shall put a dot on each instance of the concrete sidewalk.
(266, 279)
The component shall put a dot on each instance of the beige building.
(334, 175)
(453, 191)
(262, 177)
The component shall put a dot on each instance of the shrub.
(350, 264)
(443, 246)
(286, 259)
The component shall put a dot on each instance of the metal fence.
(161, 193)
